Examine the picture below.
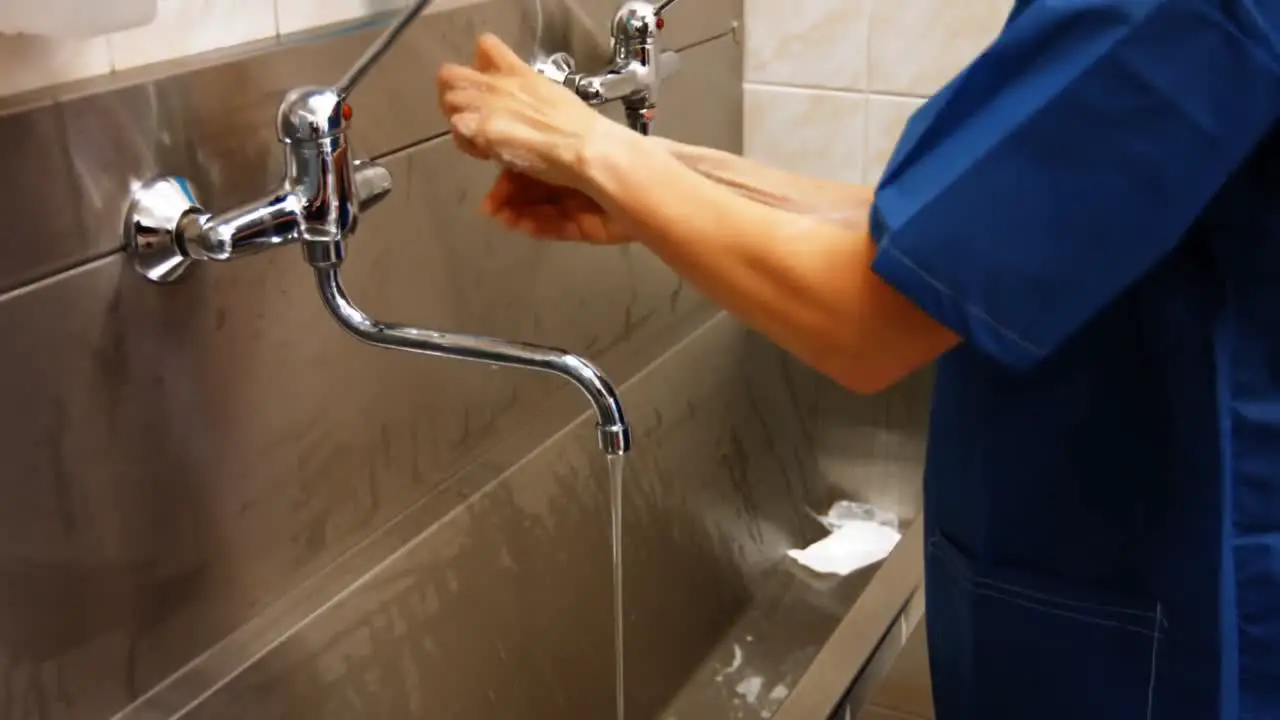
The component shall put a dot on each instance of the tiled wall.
(830, 83)
(181, 28)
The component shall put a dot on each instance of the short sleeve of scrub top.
(1068, 159)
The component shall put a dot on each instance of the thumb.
(494, 54)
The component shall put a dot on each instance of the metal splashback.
(494, 600)
(203, 516)
(173, 462)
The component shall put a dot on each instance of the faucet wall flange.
(151, 227)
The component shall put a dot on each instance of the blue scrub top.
(1094, 206)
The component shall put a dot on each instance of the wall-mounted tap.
(636, 71)
(318, 204)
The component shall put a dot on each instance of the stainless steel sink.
(493, 595)
(215, 505)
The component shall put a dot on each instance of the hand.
(550, 212)
(504, 110)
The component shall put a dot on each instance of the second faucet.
(636, 71)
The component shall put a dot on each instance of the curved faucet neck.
(613, 433)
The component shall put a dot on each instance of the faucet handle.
(557, 67)
(662, 6)
(373, 183)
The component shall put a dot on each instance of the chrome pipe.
(611, 425)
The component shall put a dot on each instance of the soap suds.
(737, 663)
(750, 688)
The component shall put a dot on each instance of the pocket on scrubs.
(1011, 644)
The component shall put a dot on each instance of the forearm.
(805, 283)
(771, 186)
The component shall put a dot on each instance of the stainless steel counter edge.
(865, 643)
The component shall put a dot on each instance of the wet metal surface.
(171, 468)
(505, 602)
(203, 515)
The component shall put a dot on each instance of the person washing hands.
(1083, 230)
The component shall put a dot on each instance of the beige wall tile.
(181, 27)
(28, 62)
(813, 43)
(916, 46)
(187, 27)
(886, 117)
(816, 132)
(897, 52)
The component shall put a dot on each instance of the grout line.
(411, 145)
(839, 91)
(728, 32)
(58, 275)
(867, 16)
(865, 170)
(276, 3)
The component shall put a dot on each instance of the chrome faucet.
(637, 70)
(318, 204)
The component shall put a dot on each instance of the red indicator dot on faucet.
(661, 23)
(346, 112)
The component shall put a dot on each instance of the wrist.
(608, 157)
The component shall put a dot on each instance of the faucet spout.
(611, 425)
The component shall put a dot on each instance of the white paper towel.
(860, 535)
(74, 18)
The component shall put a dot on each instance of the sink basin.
(494, 594)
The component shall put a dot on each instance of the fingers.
(466, 128)
(554, 218)
(453, 77)
(501, 194)
(461, 91)
(466, 98)
(465, 108)
(513, 190)
(525, 205)
(544, 222)
(494, 54)
(454, 85)
(462, 99)
(469, 148)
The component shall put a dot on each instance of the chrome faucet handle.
(373, 183)
(166, 229)
(557, 67)
(318, 201)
